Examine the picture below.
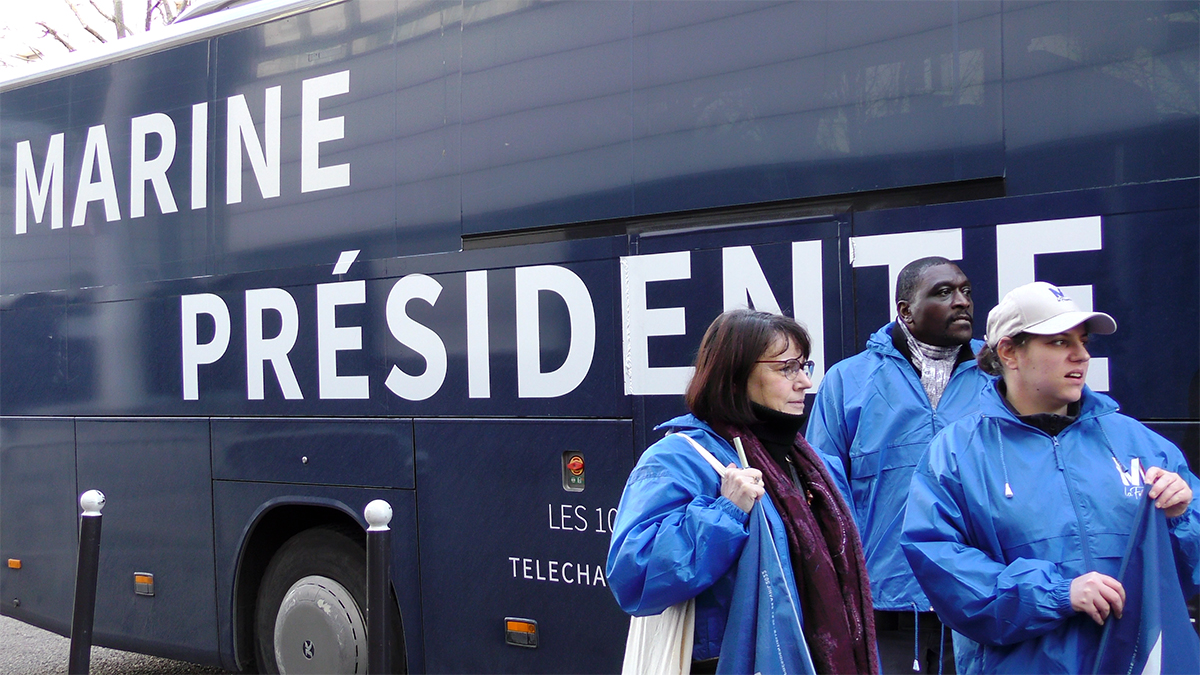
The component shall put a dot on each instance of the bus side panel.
(489, 551)
(1184, 434)
(678, 106)
(38, 520)
(1099, 93)
(36, 260)
(374, 453)
(158, 519)
(38, 346)
(397, 140)
(546, 118)
(831, 97)
(161, 242)
(801, 263)
(524, 302)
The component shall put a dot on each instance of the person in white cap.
(1018, 515)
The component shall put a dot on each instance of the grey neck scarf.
(935, 363)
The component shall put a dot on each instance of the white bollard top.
(92, 501)
(378, 514)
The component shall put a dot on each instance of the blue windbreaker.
(675, 537)
(872, 413)
(999, 569)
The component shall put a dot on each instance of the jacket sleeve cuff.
(732, 509)
(1182, 518)
(1060, 595)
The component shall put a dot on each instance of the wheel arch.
(273, 524)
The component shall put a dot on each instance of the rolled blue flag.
(1154, 634)
(763, 633)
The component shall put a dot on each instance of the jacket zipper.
(1083, 535)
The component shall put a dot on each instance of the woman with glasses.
(680, 526)
(1019, 515)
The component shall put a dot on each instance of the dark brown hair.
(728, 352)
(989, 360)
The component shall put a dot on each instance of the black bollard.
(86, 570)
(379, 557)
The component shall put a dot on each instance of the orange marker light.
(521, 626)
(143, 584)
(520, 632)
(14, 564)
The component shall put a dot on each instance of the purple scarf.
(827, 557)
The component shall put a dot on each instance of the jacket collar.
(881, 342)
(688, 421)
(1092, 404)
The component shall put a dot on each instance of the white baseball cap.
(1042, 309)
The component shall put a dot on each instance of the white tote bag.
(662, 644)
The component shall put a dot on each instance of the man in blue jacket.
(875, 415)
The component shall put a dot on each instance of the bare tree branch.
(167, 13)
(83, 23)
(55, 34)
(34, 54)
(175, 8)
(107, 16)
(167, 9)
(119, 18)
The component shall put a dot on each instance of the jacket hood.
(881, 340)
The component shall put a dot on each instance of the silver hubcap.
(319, 629)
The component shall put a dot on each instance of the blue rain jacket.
(872, 414)
(998, 570)
(675, 537)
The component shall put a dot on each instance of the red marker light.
(576, 465)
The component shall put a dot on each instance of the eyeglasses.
(792, 367)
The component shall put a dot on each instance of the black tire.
(317, 569)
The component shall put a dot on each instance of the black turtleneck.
(776, 431)
(1051, 423)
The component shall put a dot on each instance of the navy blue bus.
(291, 257)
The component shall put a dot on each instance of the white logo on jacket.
(1134, 480)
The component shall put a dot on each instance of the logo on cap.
(1062, 297)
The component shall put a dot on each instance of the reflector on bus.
(520, 632)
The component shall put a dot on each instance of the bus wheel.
(309, 617)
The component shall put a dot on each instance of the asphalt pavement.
(25, 650)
